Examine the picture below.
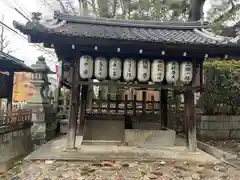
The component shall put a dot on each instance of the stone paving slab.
(55, 150)
(234, 162)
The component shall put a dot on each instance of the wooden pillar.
(83, 105)
(190, 113)
(90, 96)
(201, 80)
(74, 104)
(144, 101)
(190, 120)
(10, 90)
(164, 107)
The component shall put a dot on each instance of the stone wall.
(210, 127)
(147, 131)
(148, 138)
(15, 142)
(43, 131)
(218, 127)
(105, 129)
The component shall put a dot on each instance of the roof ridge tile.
(188, 25)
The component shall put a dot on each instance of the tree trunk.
(114, 8)
(196, 10)
(83, 7)
(103, 8)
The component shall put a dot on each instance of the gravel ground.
(108, 170)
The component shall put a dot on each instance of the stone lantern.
(43, 117)
(40, 82)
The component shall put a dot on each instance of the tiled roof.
(132, 34)
(11, 63)
(129, 30)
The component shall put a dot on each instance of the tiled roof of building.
(176, 32)
(10, 63)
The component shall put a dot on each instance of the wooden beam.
(74, 104)
(210, 49)
(162, 86)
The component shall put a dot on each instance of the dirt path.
(165, 169)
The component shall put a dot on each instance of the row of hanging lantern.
(142, 69)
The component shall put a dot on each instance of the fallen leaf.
(49, 161)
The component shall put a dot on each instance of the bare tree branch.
(62, 5)
(4, 43)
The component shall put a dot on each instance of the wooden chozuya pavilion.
(132, 51)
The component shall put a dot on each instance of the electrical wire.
(20, 35)
(19, 12)
(22, 9)
(23, 14)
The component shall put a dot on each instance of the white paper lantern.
(172, 72)
(144, 69)
(186, 72)
(115, 68)
(129, 70)
(158, 70)
(86, 67)
(100, 68)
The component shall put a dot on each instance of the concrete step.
(161, 138)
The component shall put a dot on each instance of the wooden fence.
(128, 106)
(15, 117)
(124, 107)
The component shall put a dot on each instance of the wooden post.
(144, 102)
(153, 104)
(108, 103)
(134, 105)
(83, 105)
(10, 91)
(90, 97)
(190, 120)
(190, 114)
(117, 102)
(74, 103)
(125, 104)
(164, 107)
(201, 77)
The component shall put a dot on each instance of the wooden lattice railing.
(15, 117)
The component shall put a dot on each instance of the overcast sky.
(20, 46)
